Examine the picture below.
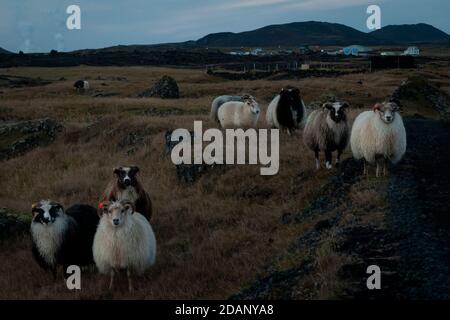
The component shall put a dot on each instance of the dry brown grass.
(211, 239)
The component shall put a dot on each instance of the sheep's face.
(126, 176)
(46, 212)
(252, 105)
(291, 98)
(336, 110)
(386, 111)
(116, 212)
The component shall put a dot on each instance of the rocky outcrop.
(418, 88)
(165, 88)
(20, 137)
(10, 225)
(19, 82)
(188, 173)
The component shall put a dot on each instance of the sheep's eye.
(123, 210)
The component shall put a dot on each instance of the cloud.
(327, 4)
(250, 3)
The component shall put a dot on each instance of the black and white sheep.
(287, 110)
(239, 114)
(379, 135)
(327, 130)
(124, 240)
(81, 85)
(62, 237)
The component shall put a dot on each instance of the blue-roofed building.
(356, 50)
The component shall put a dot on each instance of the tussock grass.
(211, 239)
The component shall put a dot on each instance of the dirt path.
(412, 248)
(419, 195)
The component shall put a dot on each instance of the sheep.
(220, 100)
(239, 114)
(124, 240)
(379, 135)
(327, 130)
(62, 238)
(127, 186)
(286, 111)
(81, 85)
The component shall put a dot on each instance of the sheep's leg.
(338, 158)
(111, 280)
(289, 132)
(317, 159)
(130, 283)
(384, 167)
(328, 159)
(378, 168)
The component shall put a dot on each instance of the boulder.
(20, 137)
(11, 226)
(165, 88)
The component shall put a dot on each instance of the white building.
(257, 51)
(411, 51)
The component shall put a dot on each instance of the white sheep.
(379, 135)
(220, 100)
(124, 240)
(327, 130)
(239, 114)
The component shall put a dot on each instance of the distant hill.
(291, 34)
(297, 34)
(4, 51)
(410, 34)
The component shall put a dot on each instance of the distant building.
(412, 51)
(257, 51)
(304, 66)
(390, 53)
(356, 50)
(304, 50)
(332, 53)
(239, 53)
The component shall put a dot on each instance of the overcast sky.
(40, 25)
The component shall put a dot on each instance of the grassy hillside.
(215, 235)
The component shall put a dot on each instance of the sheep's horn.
(376, 106)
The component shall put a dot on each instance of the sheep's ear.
(117, 170)
(327, 105)
(376, 106)
(34, 206)
(58, 206)
(345, 105)
(134, 169)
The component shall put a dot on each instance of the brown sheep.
(128, 187)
